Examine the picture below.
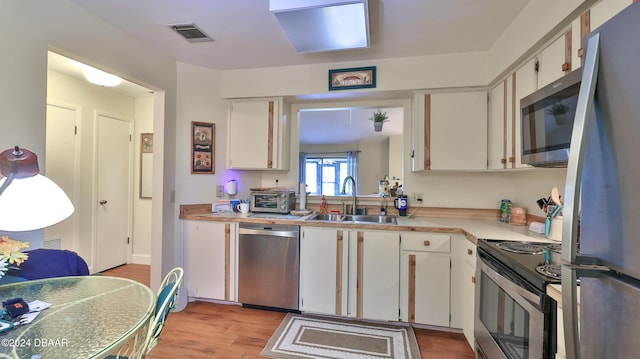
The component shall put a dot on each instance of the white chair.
(165, 302)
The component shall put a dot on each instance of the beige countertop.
(472, 228)
(555, 292)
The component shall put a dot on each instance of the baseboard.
(141, 259)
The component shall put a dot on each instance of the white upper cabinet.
(525, 84)
(591, 19)
(550, 62)
(257, 135)
(499, 127)
(504, 148)
(450, 131)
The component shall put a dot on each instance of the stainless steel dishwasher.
(269, 265)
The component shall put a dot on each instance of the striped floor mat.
(302, 336)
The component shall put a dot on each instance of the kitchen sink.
(353, 218)
(326, 217)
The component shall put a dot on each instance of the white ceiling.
(247, 35)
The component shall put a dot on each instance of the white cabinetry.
(499, 132)
(209, 259)
(323, 270)
(561, 352)
(550, 62)
(349, 273)
(450, 131)
(504, 148)
(425, 278)
(374, 278)
(257, 135)
(591, 19)
(463, 279)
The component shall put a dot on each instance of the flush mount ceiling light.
(323, 25)
(100, 78)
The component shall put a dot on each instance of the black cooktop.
(523, 264)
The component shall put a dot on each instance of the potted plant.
(378, 119)
(559, 112)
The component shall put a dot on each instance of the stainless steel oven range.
(515, 318)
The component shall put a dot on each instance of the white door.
(113, 192)
(60, 167)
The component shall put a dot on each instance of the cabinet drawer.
(426, 242)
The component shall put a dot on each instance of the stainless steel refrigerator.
(603, 189)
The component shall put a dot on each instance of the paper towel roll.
(555, 233)
(303, 196)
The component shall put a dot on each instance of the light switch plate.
(219, 191)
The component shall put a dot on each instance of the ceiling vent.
(191, 32)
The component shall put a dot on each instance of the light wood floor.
(208, 330)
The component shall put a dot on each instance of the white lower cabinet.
(374, 274)
(349, 273)
(323, 270)
(560, 346)
(209, 259)
(463, 279)
(425, 278)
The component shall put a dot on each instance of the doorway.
(130, 103)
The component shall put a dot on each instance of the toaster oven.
(273, 201)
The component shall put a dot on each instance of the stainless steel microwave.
(547, 122)
(273, 201)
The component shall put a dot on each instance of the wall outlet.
(219, 191)
(416, 197)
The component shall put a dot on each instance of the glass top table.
(89, 317)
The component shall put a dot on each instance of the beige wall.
(64, 26)
(141, 252)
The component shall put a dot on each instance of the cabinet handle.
(503, 160)
(469, 252)
(427, 243)
(566, 67)
(473, 279)
(512, 159)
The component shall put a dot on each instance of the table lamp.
(28, 200)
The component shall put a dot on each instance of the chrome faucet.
(353, 189)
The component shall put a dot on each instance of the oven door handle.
(510, 286)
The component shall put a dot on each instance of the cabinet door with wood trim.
(524, 84)
(209, 259)
(550, 62)
(256, 135)
(425, 266)
(499, 140)
(374, 274)
(323, 270)
(463, 279)
(450, 131)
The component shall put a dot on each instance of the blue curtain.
(302, 167)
